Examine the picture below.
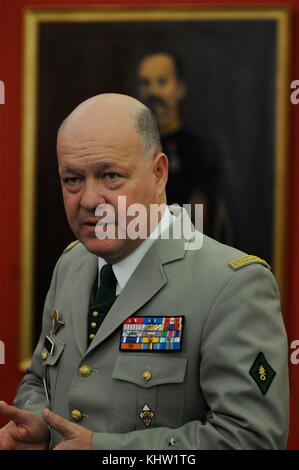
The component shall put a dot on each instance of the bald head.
(113, 111)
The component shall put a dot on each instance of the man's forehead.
(101, 153)
(157, 64)
(119, 149)
(94, 136)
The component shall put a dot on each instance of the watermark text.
(294, 357)
(2, 92)
(139, 222)
(295, 94)
(2, 353)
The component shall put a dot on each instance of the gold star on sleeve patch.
(262, 373)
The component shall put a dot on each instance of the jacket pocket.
(150, 380)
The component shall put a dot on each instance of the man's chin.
(111, 251)
(107, 248)
(96, 246)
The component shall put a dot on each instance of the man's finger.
(61, 425)
(14, 414)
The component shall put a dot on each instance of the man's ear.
(160, 170)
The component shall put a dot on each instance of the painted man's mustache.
(154, 100)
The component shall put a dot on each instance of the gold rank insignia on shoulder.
(70, 246)
(246, 260)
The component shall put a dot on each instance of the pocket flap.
(163, 369)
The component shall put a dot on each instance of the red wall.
(10, 133)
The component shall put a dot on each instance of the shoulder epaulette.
(70, 246)
(246, 260)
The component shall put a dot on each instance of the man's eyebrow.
(100, 166)
(69, 169)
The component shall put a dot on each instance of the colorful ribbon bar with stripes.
(151, 333)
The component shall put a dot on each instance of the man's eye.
(144, 82)
(111, 176)
(72, 180)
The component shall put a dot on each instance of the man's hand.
(25, 431)
(75, 437)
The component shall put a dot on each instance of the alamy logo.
(2, 353)
(295, 94)
(2, 92)
(294, 357)
(137, 221)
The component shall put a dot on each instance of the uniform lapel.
(82, 286)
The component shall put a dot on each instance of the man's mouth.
(91, 222)
(98, 222)
(153, 100)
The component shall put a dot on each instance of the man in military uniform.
(199, 167)
(147, 343)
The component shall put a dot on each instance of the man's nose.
(153, 88)
(93, 194)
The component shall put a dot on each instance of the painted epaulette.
(70, 246)
(246, 260)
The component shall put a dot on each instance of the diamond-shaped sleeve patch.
(262, 373)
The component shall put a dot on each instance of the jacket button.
(85, 370)
(44, 355)
(146, 375)
(76, 415)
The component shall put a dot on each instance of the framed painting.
(231, 65)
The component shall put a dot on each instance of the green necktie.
(101, 301)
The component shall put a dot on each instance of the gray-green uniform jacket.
(226, 389)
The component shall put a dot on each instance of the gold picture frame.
(34, 17)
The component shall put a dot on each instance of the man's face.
(95, 168)
(158, 86)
